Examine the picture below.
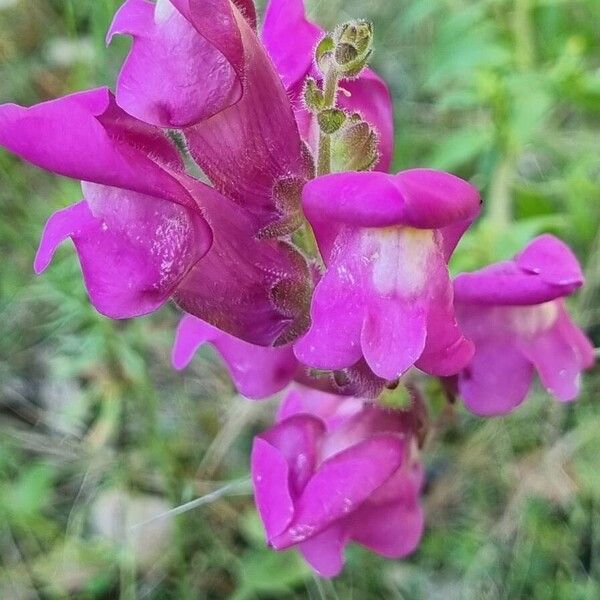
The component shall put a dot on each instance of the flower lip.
(419, 198)
(544, 271)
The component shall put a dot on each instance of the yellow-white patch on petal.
(163, 11)
(529, 320)
(400, 257)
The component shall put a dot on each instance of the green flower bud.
(397, 397)
(324, 53)
(313, 96)
(331, 120)
(355, 146)
(353, 46)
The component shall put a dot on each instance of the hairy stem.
(330, 96)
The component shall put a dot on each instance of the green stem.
(500, 203)
(524, 35)
(330, 96)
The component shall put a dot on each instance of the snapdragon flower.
(334, 470)
(514, 312)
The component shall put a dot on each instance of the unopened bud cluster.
(349, 142)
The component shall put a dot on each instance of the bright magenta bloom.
(386, 294)
(335, 470)
(515, 314)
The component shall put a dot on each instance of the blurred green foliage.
(98, 434)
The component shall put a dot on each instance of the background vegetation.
(98, 434)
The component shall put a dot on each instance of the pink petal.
(386, 296)
(257, 372)
(545, 270)
(290, 39)
(86, 136)
(250, 146)
(393, 335)
(185, 64)
(270, 473)
(247, 8)
(553, 260)
(324, 551)
(446, 350)
(341, 484)
(134, 249)
(559, 354)
(256, 290)
(418, 198)
(499, 376)
(337, 314)
(393, 530)
(298, 438)
(330, 408)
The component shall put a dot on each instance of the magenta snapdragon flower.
(386, 294)
(515, 313)
(335, 470)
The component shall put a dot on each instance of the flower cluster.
(243, 174)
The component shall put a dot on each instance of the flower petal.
(446, 350)
(418, 198)
(386, 296)
(256, 290)
(545, 270)
(290, 39)
(270, 474)
(341, 484)
(257, 372)
(324, 551)
(498, 378)
(86, 136)
(185, 64)
(337, 313)
(393, 530)
(553, 260)
(134, 249)
(559, 354)
(393, 335)
(248, 149)
(330, 408)
(298, 438)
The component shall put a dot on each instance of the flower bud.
(313, 96)
(355, 146)
(353, 44)
(331, 120)
(347, 49)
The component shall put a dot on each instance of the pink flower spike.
(516, 316)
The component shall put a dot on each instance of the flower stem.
(330, 96)
(500, 201)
